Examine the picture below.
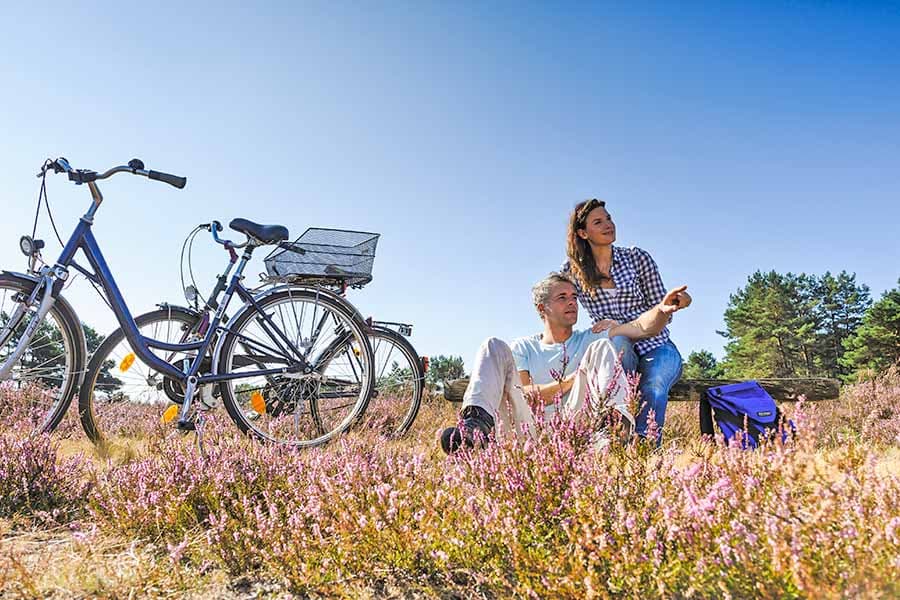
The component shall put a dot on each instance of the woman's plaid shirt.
(638, 289)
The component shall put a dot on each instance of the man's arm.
(654, 320)
(546, 391)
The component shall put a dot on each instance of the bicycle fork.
(52, 278)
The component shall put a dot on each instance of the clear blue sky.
(725, 137)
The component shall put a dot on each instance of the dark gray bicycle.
(320, 261)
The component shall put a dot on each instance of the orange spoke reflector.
(356, 351)
(258, 402)
(127, 362)
(170, 413)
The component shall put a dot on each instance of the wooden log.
(454, 390)
(785, 390)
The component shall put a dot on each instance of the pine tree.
(838, 312)
(875, 345)
(770, 327)
(444, 368)
(702, 365)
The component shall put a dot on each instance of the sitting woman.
(615, 285)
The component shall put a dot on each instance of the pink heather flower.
(440, 555)
(722, 485)
(692, 471)
(891, 528)
(176, 551)
(382, 490)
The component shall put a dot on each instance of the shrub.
(35, 482)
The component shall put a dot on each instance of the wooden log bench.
(785, 390)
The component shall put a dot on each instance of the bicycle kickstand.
(199, 427)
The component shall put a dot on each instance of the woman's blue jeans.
(659, 369)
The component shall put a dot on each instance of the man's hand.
(604, 325)
(675, 300)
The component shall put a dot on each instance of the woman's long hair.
(581, 258)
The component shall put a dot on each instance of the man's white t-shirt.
(542, 360)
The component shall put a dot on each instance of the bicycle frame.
(82, 238)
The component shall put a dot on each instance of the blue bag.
(739, 405)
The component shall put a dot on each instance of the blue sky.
(725, 138)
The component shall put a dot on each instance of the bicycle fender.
(187, 310)
(324, 292)
(64, 307)
(18, 275)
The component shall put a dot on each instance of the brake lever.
(49, 164)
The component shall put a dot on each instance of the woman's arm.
(651, 322)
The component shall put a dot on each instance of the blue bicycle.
(283, 355)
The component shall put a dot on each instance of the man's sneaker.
(476, 424)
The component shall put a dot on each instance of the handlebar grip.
(173, 180)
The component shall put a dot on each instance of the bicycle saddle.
(268, 234)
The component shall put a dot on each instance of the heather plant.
(547, 515)
(387, 411)
(22, 406)
(132, 420)
(867, 412)
(34, 482)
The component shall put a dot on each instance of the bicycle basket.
(329, 255)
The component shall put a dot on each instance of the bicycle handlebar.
(135, 167)
(214, 227)
(173, 180)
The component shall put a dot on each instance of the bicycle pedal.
(185, 425)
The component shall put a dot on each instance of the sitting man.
(560, 362)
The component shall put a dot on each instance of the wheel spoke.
(305, 407)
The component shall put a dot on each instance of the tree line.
(788, 325)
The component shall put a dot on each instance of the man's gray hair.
(540, 293)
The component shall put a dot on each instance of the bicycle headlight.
(28, 246)
(190, 294)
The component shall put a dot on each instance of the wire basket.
(326, 255)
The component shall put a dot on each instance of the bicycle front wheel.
(121, 396)
(45, 379)
(320, 344)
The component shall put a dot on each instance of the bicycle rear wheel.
(45, 379)
(399, 383)
(301, 407)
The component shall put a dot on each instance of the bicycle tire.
(395, 385)
(88, 400)
(265, 420)
(74, 349)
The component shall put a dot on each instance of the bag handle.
(706, 420)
